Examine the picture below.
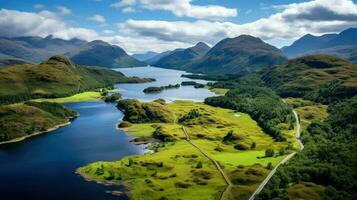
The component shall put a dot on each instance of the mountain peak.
(201, 44)
(98, 42)
(60, 59)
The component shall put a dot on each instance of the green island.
(161, 88)
(177, 167)
(193, 83)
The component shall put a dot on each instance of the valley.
(178, 100)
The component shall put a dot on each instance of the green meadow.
(176, 168)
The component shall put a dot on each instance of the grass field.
(176, 174)
(84, 96)
(306, 190)
(219, 91)
(308, 111)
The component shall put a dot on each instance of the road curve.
(224, 175)
(287, 158)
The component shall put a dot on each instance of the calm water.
(44, 167)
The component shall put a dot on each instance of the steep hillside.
(343, 45)
(320, 77)
(180, 57)
(56, 77)
(235, 55)
(99, 53)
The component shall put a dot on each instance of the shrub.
(241, 147)
(253, 146)
(269, 165)
(124, 124)
(269, 153)
(113, 98)
(199, 165)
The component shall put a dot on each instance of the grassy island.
(160, 89)
(179, 169)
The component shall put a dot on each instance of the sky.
(159, 25)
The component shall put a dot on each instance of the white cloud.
(98, 18)
(64, 10)
(128, 10)
(316, 17)
(182, 8)
(108, 32)
(143, 44)
(38, 6)
(123, 3)
(15, 23)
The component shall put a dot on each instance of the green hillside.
(180, 57)
(99, 53)
(56, 77)
(22, 120)
(234, 55)
(319, 77)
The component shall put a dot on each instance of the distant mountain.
(180, 57)
(145, 56)
(56, 77)
(343, 45)
(317, 76)
(153, 60)
(234, 55)
(37, 49)
(99, 53)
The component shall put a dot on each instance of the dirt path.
(286, 159)
(224, 175)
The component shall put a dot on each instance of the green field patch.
(84, 96)
(219, 91)
(245, 158)
(306, 190)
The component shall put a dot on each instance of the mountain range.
(180, 57)
(145, 56)
(231, 55)
(95, 53)
(343, 45)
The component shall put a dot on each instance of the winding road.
(286, 159)
(224, 175)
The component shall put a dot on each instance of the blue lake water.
(43, 167)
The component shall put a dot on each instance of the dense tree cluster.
(194, 113)
(329, 157)
(142, 112)
(160, 89)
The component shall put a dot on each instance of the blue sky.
(159, 25)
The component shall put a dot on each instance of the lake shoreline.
(20, 139)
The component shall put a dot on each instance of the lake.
(43, 167)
